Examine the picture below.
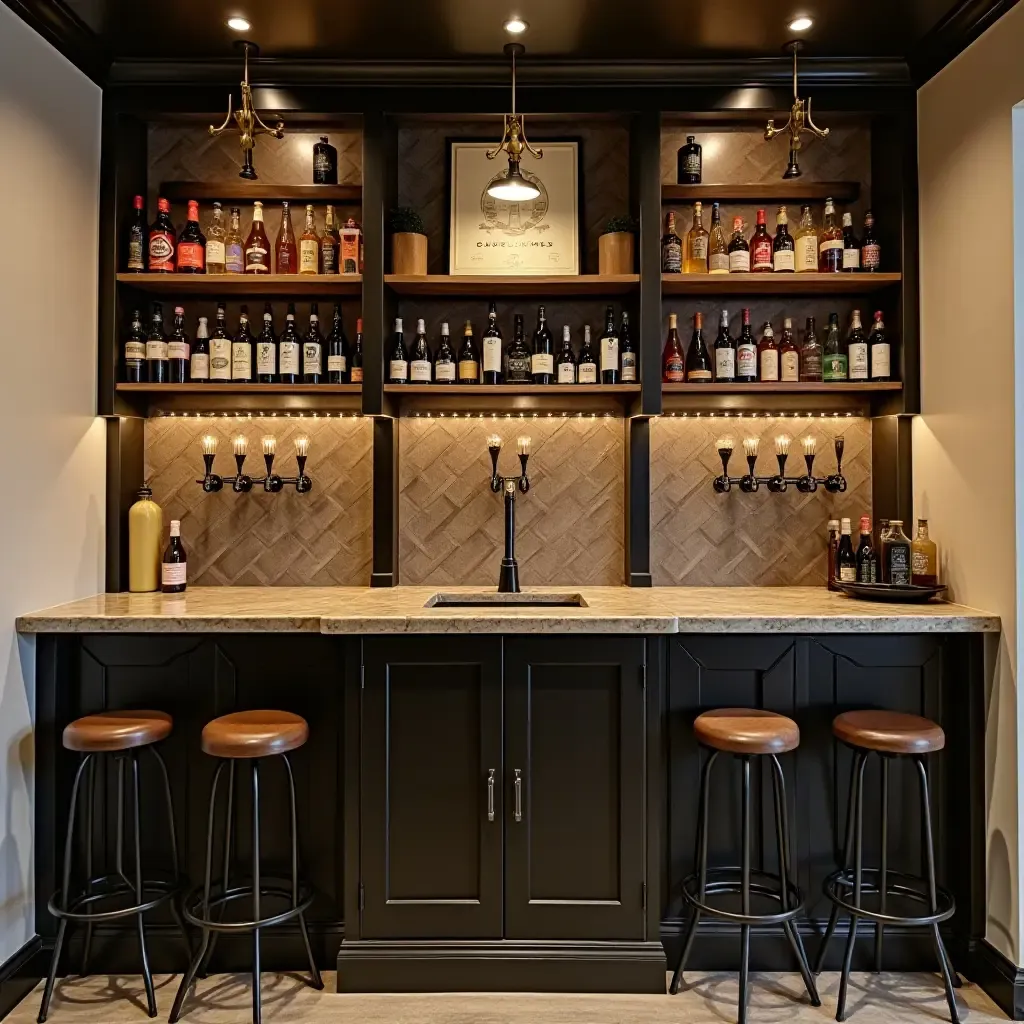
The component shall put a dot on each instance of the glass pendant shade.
(513, 187)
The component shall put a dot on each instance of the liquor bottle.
(810, 355)
(725, 352)
(833, 548)
(355, 374)
(286, 257)
(627, 352)
(671, 247)
(350, 259)
(257, 245)
(867, 560)
(834, 365)
(542, 359)
(896, 565)
(309, 245)
(783, 248)
(135, 351)
(718, 247)
(879, 350)
(266, 349)
(696, 244)
(767, 355)
(178, 349)
(586, 368)
(491, 345)
(234, 247)
(518, 363)
(325, 163)
(760, 247)
(688, 162)
(162, 240)
(289, 350)
(398, 365)
(746, 353)
(924, 558)
(420, 369)
(846, 560)
(870, 250)
(444, 361)
(220, 347)
(330, 245)
(789, 354)
(191, 255)
(830, 245)
(609, 348)
(337, 350)
(739, 249)
(137, 238)
(200, 366)
(242, 350)
(313, 349)
(215, 235)
(174, 567)
(851, 247)
(673, 365)
(857, 349)
(469, 364)
(698, 358)
(806, 243)
(157, 370)
(565, 361)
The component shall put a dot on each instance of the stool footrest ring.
(839, 888)
(110, 887)
(727, 881)
(192, 909)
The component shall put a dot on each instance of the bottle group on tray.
(892, 558)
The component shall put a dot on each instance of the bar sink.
(492, 599)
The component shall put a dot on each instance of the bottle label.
(172, 574)
(469, 371)
(177, 350)
(200, 366)
(609, 354)
(309, 254)
(419, 371)
(566, 373)
(699, 375)
(857, 352)
(834, 368)
(899, 565)
(672, 257)
(673, 372)
(233, 260)
(156, 349)
(811, 361)
(919, 563)
(256, 260)
(587, 373)
(725, 363)
(629, 367)
(356, 376)
(880, 359)
(746, 361)
(848, 574)
(329, 258)
(871, 255)
(136, 259)
(519, 371)
(739, 261)
(134, 351)
(399, 369)
(220, 359)
(492, 355)
(190, 256)
(265, 361)
(443, 372)
(831, 254)
(214, 252)
(761, 254)
(312, 357)
(807, 253)
(700, 247)
(241, 361)
(851, 259)
(161, 252)
(540, 362)
(790, 369)
(785, 259)
(289, 357)
(691, 163)
(718, 263)
(336, 364)
(770, 364)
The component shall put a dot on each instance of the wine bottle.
(216, 254)
(220, 347)
(725, 352)
(174, 567)
(870, 249)
(767, 355)
(444, 361)
(673, 364)
(355, 375)
(162, 240)
(286, 257)
(834, 366)
(137, 238)
(783, 247)
(157, 370)
(518, 363)
(789, 354)
(257, 245)
(878, 345)
(857, 349)
(469, 364)
(746, 353)
(627, 353)
(178, 349)
(718, 247)
(266, 349)
(609, 349)
(313, 349)
(398, 364)
(337, 350)
(199, 371)
(542, 360)
(135, 351)
(565, 361)
(846, 560)
(810, 355)
(242, 350)
(289, 349)
(491, 345)
(851, 246)
(420, 370)
(191, 255)
(698, 358)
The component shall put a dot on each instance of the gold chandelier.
(512, 186)
(799, 120)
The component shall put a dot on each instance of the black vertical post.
(892, 484)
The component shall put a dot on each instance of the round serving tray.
(889, 591)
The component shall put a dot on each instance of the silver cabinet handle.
(518, 786)
(490, 794)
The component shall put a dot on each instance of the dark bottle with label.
(178, 349)
(266, 349)
(220, 347)
(313, 349)
(846, 560)
(191, 255)
(157, 370)
(565, 361)
(673, 362)
(586, 368)
(689, 162)
(896, 563)
(698, 358)
(542, 359)
(398, 363)
(746, 353)
(325, 163)
(835, 363)
(199, 370)
(870, 249)
(627, 352)
(783, 247)
(444, 360)
(810, 355)
(851, 246)
(289, 349)
(867, 560)
(469, 363)
(174, 566)
(337, 350)
(490, 342)
(420, 368)
(355, 373)
(761, 247)
(609, 349)
(135, 351)
(518, 364)
(137, 238)
(242, 350)
(162, 240)
(725, 352)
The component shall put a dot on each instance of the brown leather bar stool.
(251, 736)
(745, 733)
(123, 734)
(890, 735)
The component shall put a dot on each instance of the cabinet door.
(430, 856)
(574, 826)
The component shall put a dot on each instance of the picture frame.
(489, 237)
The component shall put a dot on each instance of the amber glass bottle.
(286, 257)
(257, 245)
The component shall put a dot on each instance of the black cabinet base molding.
(21, 973)
(999, 977)
(501, 966)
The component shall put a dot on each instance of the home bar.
(512, 512)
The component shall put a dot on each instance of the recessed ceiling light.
(239, 24)
(800, 24)
(516, 26)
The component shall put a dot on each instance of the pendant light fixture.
(799, 120)
(512, 186)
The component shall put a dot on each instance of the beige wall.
(52, 464)
(964, 441)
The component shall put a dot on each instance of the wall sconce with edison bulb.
(779, 483)
(241, 482)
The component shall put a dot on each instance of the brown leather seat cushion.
(890, 732)
(117, 730)
(254, 734)
(747, 731)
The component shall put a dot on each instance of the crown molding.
(67, 33)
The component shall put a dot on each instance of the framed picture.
(493, 236)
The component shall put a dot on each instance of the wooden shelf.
(246, 191)
(173, 399)
(225, 285)
(467, 399)
(768, 191)
(242, 389)
(777, 284)
(856, 398)
(783, 388)
(498, 285)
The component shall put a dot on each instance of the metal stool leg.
(858, 863)
(147, 975)
(44, 1006)
(204, 965)
(929, 848)
(256, 1001)
(744, 980)
(175, 865)
(316, 981)
(701, 861)
(883, 871)
(90, 814)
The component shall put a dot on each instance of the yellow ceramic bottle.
(145, 533)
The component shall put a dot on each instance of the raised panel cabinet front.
(574, 787)
(430, 788)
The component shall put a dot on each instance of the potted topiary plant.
(408, 242)
(615, 246)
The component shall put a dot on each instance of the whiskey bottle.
(398, 365)
(688, 162)
(857, 349)
(789, 354)
(673, 364)
(157, 371)
(199, 370)
(444, 361)
(162, 240)
(609, 349)
(469, 363)
(135, 351)
(698, 358)
(586, 369)
(870, 250)
(830, 246)
(783, 248)
(137, 238)
(355, 375)
(174, 567)
(289, 349)
(851, 247)
(718, 247)
(313, 349)
(257, 245)
(834, 366)
(330, 245)
(266, 349)
(810, 355)
(806, 243)
(878, 347)
(627, 352)
(242, 350)
(671, 247)
(542, 360)
(696, 244)
(565, 361)
(767, 355)
(191, 255)
(337, 350)
(896, 556)
(286, 259)
(518, 361)
(490, 342)
(309, 245)
(325, 162)
(746, 353)
(420, 369)
(178, 349)
(760, 247)
(725, 352)
(220, 347)
(739, 250)
(924, 558)
(215, 235)
(234, 247)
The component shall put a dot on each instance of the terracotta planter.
(615, 252)
(408, 253)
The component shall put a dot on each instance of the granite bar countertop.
(414, 610)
